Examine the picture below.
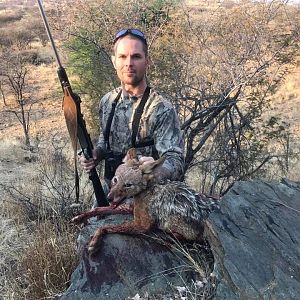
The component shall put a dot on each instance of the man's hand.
(160, 173)
(146, 159)
(88, 164)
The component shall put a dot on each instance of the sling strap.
(70, 112)
(109, 120)
(135, 123)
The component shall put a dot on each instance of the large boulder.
(255, 239)
(127, 265)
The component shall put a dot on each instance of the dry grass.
(286, 104)
(37, 259)
(37, 244)
(286, 101)
(12, 240)
(47, 262)
(197, 258)
(200, 260)
(12, 149)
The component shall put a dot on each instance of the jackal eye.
(128, 185)
(114, 180)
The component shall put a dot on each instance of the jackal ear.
(130, 155)
(147, 168)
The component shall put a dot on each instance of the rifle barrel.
(81, 134)
(49, 32)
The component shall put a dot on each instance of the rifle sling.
(109, 120)
(137, 117)
(70, 113)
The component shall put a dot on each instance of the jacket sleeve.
(168, 139)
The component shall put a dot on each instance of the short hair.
(133, 37)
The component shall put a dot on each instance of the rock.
(255, 240)
(254, 237)
(126, 265)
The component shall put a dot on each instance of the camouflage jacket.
(159, 122)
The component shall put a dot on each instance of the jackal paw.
(79, 219)
(94, 244)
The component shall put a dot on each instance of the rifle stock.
(75, 120)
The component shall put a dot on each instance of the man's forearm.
(174, 167)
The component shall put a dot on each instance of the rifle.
(75, 122)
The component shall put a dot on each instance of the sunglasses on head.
(134, 32)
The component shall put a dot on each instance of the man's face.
(130, 61)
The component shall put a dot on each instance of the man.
(154, 132)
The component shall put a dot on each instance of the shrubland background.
(230, 67)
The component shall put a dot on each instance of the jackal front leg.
(131, 228)
(103, 211)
